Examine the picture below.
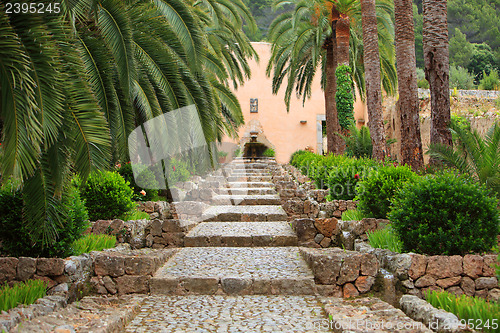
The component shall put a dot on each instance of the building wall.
(283, 130)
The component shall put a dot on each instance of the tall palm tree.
(473, 155)
(437, 67)
(372, 78)
(306, 38)
(408, 105)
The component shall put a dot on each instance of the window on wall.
(254, 105)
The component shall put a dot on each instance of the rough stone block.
(364, 283)
(349, 291)
(486, 283)
(349, 271)
(418, 266)
(162, 286)
(369, 265)
(130, 284)
(473, 265)
(49, 266)
(203, 286)
(425, 281)
(236, 286)
(449, 282)
(305, 229)
(444, 266)
(327, 227)
(8, 267)
(109, 264)
(490, 261)
(26, 268)
(141, 265)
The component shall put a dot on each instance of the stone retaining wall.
(63, 276)
(126, 273)
(472, 275)
(341, 273)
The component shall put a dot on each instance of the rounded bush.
(15, 234)
(107, 195)
(374, 193)
(145, 177)
(445, 214)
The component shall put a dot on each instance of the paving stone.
(244, 213)
(248, 178)
(248, 184)
(247, 191)
(241, 234)
(229, 314)
(266, 199)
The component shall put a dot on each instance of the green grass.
(385, 239)
(352, 215)
(21, 293)
(468, 309)
(93, 242)
(135, 214)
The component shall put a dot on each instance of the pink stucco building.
(267, 120)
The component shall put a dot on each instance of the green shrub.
(107, 195)
(21, 293)
(269, 152)
(342, 179)
(376, 191)
(385, 239)
(421, 80)
(353, 215)
(478, 313)
(15, 234)
(445, 214)
(460, 78)
(145, 177)
(93, 242)
(490, 82)
(178, 171)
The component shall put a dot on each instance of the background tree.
(408, 105)
(460, 49)
(372, 78)
(437, 68)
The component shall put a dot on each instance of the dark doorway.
(254, 150)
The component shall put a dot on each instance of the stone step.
(226, 199)
(249, 184)
(251, 313)
(248, 178)
(368, 315)
(240, 234)
(246, 191)
(234, 271)
(228, 213)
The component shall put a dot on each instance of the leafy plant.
(352, 215)
(178, 171)
(358, 142)
(145, 176)
(16, 235)
(93, 242)
(445, 214)
(269, 152)
(107, 195)
(344, 97)
(21, 293)
(460, 78)
(134, 215)
(385, 239)
(473, 155)
(477, 312)
(376, 191)
(342, 179)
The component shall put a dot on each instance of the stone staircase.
(240, 271)
(246, 248)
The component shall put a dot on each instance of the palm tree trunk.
(334, 141)
(437, 68)
(342, 37)
(372, 78)
(408, 106)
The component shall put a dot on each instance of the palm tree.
(372, 78)
(473, 155)
(73, 86)
(306, 38)
(408, 105)
(437, 67)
